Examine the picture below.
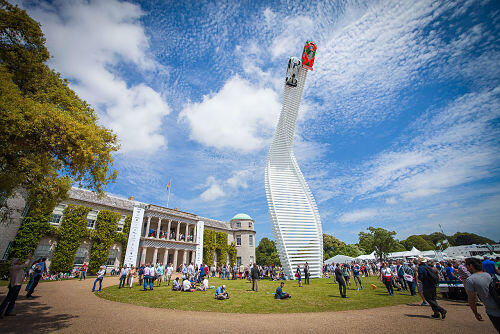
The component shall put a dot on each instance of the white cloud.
(213, 192)
(87, 40)
(239, 179)
(240, 116)
(358, 215)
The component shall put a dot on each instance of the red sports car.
(308, 55)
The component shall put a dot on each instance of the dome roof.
(242, 216)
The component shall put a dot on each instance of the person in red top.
(83, 270)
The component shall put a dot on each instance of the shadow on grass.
(32, 317)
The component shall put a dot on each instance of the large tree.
(333, 246)
(463, 238)
(418, 242)
(49, 137)
(266, 253)
(379, 240)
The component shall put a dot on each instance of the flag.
(168, 185)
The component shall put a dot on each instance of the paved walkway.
(69, 306)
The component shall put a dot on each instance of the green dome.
(242, 216)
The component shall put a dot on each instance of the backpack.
(431, 275)
(493, 288)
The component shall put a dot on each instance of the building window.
(41, 251)
(250, 240)
(81, 254)
(112, 257)
(90, 223)
(251, 259)
(250, 225)
(238, 224)
(55, 219)
(238, 261)
(238, 240)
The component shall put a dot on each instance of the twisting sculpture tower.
(294, 214)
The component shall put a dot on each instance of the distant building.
(167, 235)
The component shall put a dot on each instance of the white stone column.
(186, 234)
(165, 257)
(193, 256)
(147, 226)
(176, 253)
(159, 227)
(184, 257)
(195, 232)
(155, 255)
(143, 256)
(169, 226)
(178, 230)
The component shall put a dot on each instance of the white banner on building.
(134, 236)
(199, 240)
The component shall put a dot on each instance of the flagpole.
(169, 186)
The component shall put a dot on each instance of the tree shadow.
(31, 317)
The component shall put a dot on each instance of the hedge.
(106, 225)
(69, 237)
(208, 247)
(221, 248)
(216, 242)
(122, 238)
(231, 249)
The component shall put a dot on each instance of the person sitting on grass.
(204, 285)
(221, 293)
(186, 286)
(175, 285)
(280, 294)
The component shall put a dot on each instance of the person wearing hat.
(221, 293)
(429, 278)
(16, 281)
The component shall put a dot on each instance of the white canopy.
(366, 257)
(339, 259)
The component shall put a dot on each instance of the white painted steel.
(294, 215)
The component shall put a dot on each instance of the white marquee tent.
(339, 259)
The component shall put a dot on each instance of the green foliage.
(266, 253)
(49, 135)
(379, 240)
(106, 225)
(69, 237)
(333, 246)
(122, 237)
(418, 242)
(221, 248)
(463, 238)
(231, 249)
(208, 247)
(34, 227)
(398, 247)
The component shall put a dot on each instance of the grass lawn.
(320, 296)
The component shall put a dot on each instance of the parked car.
(292, 71)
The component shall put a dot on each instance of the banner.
(134, 236)
(199, 240)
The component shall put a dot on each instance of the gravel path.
(69, 306)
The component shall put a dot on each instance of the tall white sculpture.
(294, 214)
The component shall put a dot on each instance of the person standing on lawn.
(100, 276)
(386, 276)
(16, 281)
(83, 270)
(123, 276)
(477, 285)
(429, 278)
(254, 274)
(355, 274)
(340, 279)
(306, 273)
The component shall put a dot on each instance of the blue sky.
(399, 126)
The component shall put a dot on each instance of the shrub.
(107, 222)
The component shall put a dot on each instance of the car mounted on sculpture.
(292, 71)
(308, 55)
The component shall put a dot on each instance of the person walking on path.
(386, 276)
(340, 279)
(429, 278)
(355, 274)
(83, 270)
(123, 276)
(100, 276)
(409, 278)
(131, 275)
(254, 274)
(478, 285)
(16, 281)
(40, 268)
(306, 273)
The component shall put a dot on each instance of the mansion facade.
(166, 235)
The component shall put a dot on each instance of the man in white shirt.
(175, 285)
(123, 276)
(204, 285)
(186, 285)
(100, 276)
(190, 270)
(170, 270)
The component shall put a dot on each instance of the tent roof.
(339, 259)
